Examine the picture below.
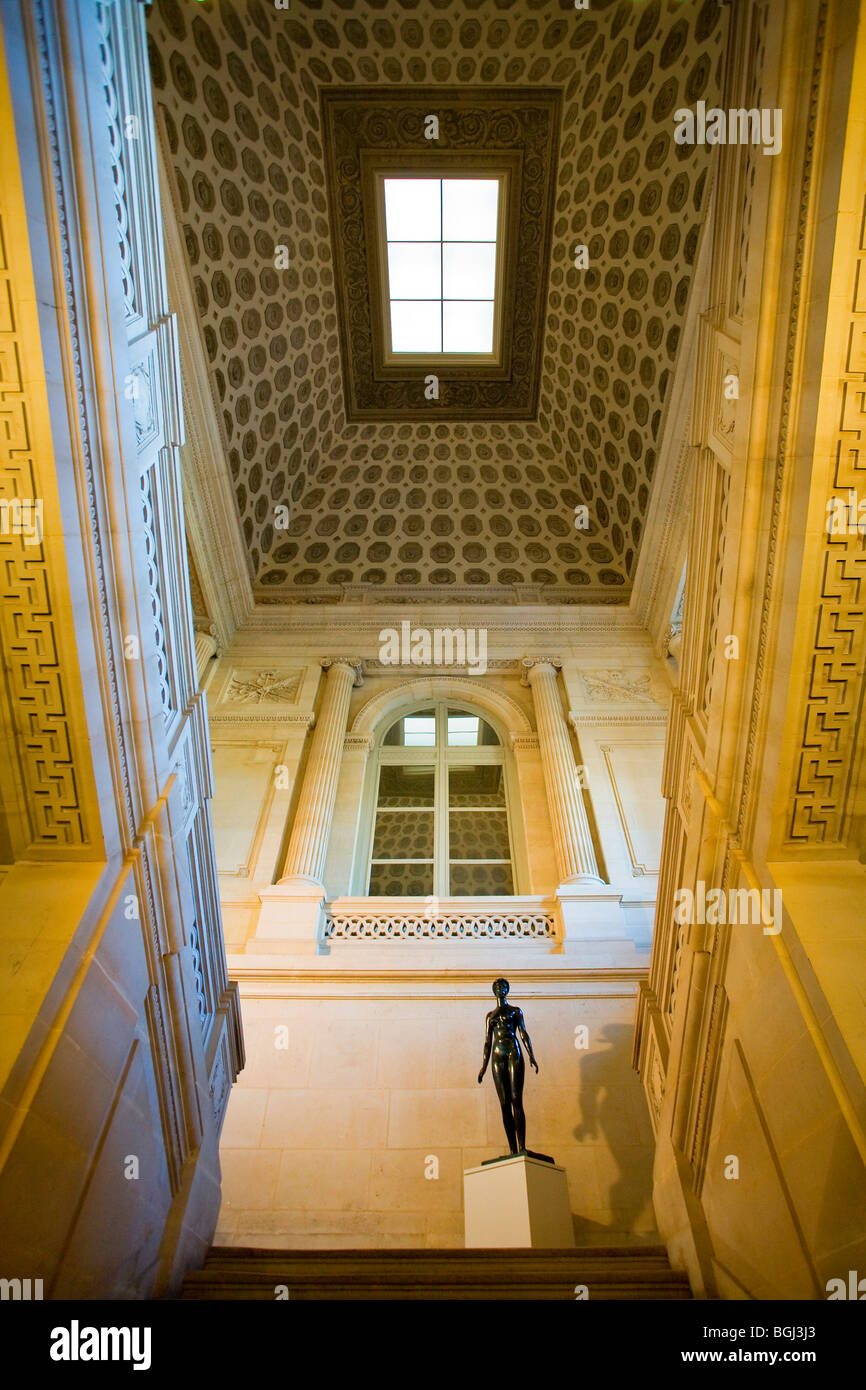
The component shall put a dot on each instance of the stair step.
(609, 1272)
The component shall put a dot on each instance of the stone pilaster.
(308, 845)
(292, 910)
(575, 855)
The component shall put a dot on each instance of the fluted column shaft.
(572, 841)
(308, 843)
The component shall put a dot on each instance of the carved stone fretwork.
(37, 687)
(779, 476)
(619, 687)
(512, 130)
(832, 715)
(444, 920)
(263, 687)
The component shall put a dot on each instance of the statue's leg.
(515, 1076)
(502, 1082)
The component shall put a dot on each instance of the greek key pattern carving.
(36, 683)
(836, 676)
(781, 454)
(474, 925)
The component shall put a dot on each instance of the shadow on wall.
(608, 1114)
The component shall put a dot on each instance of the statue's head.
(500, 989)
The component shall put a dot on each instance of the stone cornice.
(212, 522)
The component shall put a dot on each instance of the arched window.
(440, 823)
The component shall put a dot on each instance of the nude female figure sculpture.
(504, 1025)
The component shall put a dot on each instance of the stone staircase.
(609, 1272)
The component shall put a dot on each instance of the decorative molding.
(36, 683)
(442, 921)
(262, 687)
(355, 662)
(524, 743)
(781, 453)
(517, 127)
(619, 687)
(481, 693)
(529, 662)
(354, 743)
(824, 790)
(489, 596)
(578, 718)
(216, 541)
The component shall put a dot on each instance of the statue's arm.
(521, 1028)
(488, 1042)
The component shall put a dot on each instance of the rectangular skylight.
(441, 239)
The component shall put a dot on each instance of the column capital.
(354, 663)
(529, 664)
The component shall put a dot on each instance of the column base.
(291, 917)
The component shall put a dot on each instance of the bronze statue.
(504, 1025)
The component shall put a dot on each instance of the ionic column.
(308, 844)
(572, 841)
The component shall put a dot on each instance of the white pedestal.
(518, 1203)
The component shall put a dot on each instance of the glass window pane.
(463, 730)
(476, 786)
(460, 721)
(477, 835)
(415, 270)
(469, 270)
(480, 880)
(405, 786)
(416, 326)
(469, 209)
(405, 835)
(419, 731)
(467, 325)
(396, 733)
(412, 210)
(401, 880)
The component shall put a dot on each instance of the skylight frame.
(443, 173)
(503, 166)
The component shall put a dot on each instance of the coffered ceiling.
(446, 509)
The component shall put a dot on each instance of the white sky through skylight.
(441, 236)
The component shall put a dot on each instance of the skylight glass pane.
(469, 209)
(416, 325)
(415, 270)
(419, 732)
(469, 270)
(468, 326)
(412, 210)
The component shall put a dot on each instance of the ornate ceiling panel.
(450, 509)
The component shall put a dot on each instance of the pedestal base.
(517, 1203)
